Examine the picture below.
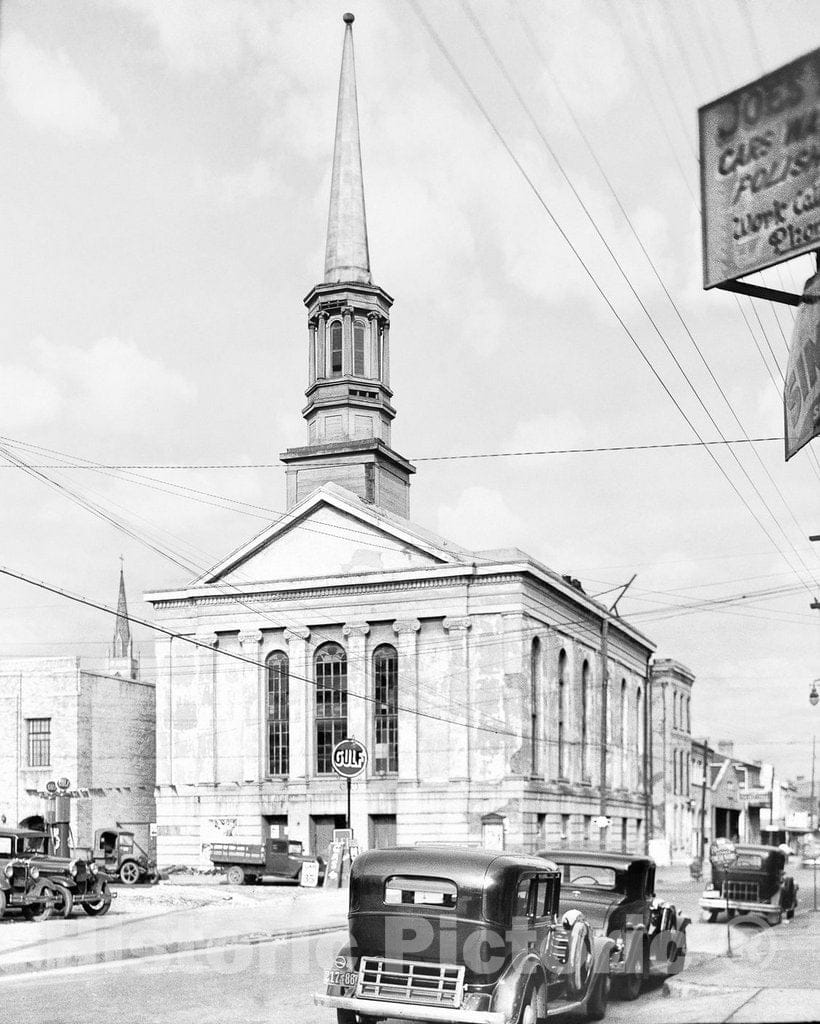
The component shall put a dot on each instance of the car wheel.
(534, 1007)
(129, 872)
(63, 901)
(2, 902)
(99, 906)
(236, 875)
(40, 911)
(579, 959)
(629, 986)
(596, 1006)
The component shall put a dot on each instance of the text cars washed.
(616, 894)
(471, 936)
(749, 880)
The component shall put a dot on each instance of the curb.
(169, 948)
(680, 989)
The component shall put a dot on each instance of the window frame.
(278, 723)
(38, 741)
(387, 719)
(330, 697)
(336, 334)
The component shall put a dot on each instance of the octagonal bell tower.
(349, 410)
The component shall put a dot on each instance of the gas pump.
(58, 816)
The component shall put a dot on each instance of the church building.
(490, 692)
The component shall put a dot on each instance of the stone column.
(406, 631)
(386, 353)
(321, 347)
(358, 719)
(460, 696)
(375, 369)
(312, 350)
(347, 339)
(204, 764)
(302, 702)
(250, 699)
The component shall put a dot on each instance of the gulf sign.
(349, 758)
(760, 172)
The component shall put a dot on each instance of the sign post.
(349, 760)
(723, 854)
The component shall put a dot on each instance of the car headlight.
(9, 870)
(74, 867)
(92, 867)
(35, 872)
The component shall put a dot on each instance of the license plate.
(344, 978)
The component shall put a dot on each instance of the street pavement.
(205, 952)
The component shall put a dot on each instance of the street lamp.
(814, 697)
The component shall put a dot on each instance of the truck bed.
(238, 853)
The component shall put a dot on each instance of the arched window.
(639, 730)
(386, 709)
(674, 710)
(688, 713)
(675, 772)
(562, 668)
(331, 703)
(336, 348)
(624, 730)
(276, 668)
(358, 348)
(535, 697)
(584, 718)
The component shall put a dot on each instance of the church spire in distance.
(121, 661)
(346, 256)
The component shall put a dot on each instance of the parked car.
(463, 936)
(616, 894)
(118, 853)
(39, 880)
(251, 862)
(749, 879)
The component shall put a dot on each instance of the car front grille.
(408, 981)
(743, 892)
(19, 876)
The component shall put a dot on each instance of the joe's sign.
(349, 758)
(760, 172)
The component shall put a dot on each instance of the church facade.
(492, 694)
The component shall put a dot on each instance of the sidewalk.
(171, 917)
(772, 971)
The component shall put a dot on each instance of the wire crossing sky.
(164, 200)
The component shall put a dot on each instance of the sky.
(164, 181)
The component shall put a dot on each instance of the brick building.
(673, 814)
(95, 728)
(476, 680)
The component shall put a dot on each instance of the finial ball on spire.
(348, 18)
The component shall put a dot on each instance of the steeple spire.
(121, 660)
(347, 257)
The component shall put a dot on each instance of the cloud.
(48, 92)
(111, 385)
(235, 188)
(480, 519)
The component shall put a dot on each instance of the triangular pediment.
(333, 533)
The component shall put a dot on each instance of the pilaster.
(386, 353)
(460, 697)
(207, 718)
(311, 350)
(358, 720)
(321, 347)
(300, 710)
(347, 340)
(375, 369)
(406, 631)
(250, 700)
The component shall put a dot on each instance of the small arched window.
(639, 723)
(674, 710)
(358, 348)
(331, 704)
(535, 697)
(336, 349)
(278, 702)
(584, 718)
(562, 668)
(386, 709)
(624, 729)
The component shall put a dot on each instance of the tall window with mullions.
(386, 709)
(278, 710)
(39, 742)
(331, 704)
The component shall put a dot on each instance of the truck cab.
(250, 862)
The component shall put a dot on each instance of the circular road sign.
(349, 758)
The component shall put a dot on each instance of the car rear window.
(420, 891)
(588, 876)
(748, 860)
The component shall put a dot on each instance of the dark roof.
(599, 858)
(469, 865)
(26, 833)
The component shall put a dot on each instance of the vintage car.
(40, 880)
(472, 936)
(749, 880)
(616, 894)
(250, 862)
(118, 853)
